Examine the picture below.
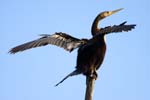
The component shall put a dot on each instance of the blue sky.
(31, 75)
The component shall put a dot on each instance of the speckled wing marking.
(62, 40)
(116, 28)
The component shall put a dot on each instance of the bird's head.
(108, 13)
(101, 16)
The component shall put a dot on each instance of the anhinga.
(91, 52)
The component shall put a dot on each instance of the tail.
(76, 72)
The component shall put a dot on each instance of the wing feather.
(62, 40)
(116, 28)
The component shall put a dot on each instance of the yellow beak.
(114, 11)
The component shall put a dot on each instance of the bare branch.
(89, 88)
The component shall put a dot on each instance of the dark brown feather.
(116, 28)
(62, 40)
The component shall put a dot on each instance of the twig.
(89, 88)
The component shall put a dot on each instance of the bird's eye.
(107, 12)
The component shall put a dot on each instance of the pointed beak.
(114, 11)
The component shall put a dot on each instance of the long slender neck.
(95, 28)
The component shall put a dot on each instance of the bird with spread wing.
(91, 52)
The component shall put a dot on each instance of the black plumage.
(91, 52)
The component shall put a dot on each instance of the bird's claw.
(94, 75)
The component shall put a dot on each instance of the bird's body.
(91, 52)
(91, 55)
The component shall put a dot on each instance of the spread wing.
(62, 40)
(117, 28)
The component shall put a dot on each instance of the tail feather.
(76, 72)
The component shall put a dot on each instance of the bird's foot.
(94, 75)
